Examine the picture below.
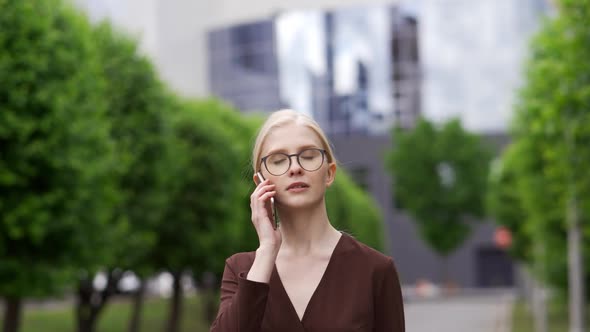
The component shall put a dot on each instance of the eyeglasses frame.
(322, 152)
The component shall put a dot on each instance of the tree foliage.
(440, 178)
(137, 106)
(505, 206)
(551, 132)
(204, 212)
(355, 212)
(137, 103)
(203, 165)
(58, 166)
(56, 156)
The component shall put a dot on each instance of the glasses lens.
(311, 159)
(277, 163)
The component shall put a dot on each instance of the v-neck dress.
(359, 291)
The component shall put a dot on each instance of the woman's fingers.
(262, 215)
(267, 195)
(260, 199)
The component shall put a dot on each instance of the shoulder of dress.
(369, 255)
(241, 260)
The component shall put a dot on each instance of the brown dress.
(359, 291)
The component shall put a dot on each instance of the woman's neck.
(307, 232)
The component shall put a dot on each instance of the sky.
(471, 56)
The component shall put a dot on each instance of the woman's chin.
(296, 203)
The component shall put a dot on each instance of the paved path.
(467, 313)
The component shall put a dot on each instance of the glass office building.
(243, 66)
(339, 66)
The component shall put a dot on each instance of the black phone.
(261, 178)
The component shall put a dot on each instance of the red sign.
(503, 237)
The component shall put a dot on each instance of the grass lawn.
(115, 317)
(522, 319)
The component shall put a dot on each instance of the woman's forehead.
(291, 137)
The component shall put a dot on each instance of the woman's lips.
(297, 187)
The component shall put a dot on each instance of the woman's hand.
(262, 217)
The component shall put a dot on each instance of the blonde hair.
(281, 118)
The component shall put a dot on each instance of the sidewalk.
(467, 312)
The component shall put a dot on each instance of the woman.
(305, 274)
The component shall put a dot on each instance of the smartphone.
(260, 178)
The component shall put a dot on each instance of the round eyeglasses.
(279, 163)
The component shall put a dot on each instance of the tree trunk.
(539, 307)
(574, 236)
(211, 307)
(92, 301)
(446, 285)
(539, 293)
(12, 314)
(575, 267)
(209, 297)
(175, 304)
(138, 299)
(86, 319)
(86, 307)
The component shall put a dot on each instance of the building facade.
(406, 73)
(346, 89)
(243, 66)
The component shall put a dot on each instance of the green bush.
(355, 212)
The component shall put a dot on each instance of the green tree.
(504, 203)
(57, 165)
(241, 130)
(137, 104)
(199, 224)
(439, 177)
(552, 118)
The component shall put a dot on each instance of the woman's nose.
(294, 168)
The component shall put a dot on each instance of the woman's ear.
(331, 175)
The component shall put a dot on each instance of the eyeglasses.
(279, 163)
